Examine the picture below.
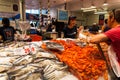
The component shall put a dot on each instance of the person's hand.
(1, 40)
(80, 29)
(0, 37)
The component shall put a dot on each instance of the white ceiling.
(72, 5)
(35, 4)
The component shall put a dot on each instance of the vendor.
(6, 31)
(112, 35)
(71, 30)
(94, 28)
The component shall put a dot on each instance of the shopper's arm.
(79, 30)
(99, 38)
(0, 37)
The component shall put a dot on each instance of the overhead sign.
(62, 15)
(9, 6)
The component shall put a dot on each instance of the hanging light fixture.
(40, 7)
(101, 12)
(40, 14)
(91, 8)
(105, 3)
(48, 7)
(92, 5)
(48, 14)
(65, 4)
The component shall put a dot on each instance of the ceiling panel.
(74, 5)
(35, 4)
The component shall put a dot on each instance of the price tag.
(29, 49)
(19, 51)
(25, 50)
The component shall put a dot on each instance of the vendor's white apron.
(113, 60)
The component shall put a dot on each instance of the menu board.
(62, 15)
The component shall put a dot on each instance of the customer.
(113, 35)
(71, 30)
(49, 28)
(105, 27)
(33, 29)
(94, 28)
(6, 31)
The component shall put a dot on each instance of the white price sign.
(24, 50)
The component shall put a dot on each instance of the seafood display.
(52, 60)
(54, 46)
(28, 61)
(85, 62)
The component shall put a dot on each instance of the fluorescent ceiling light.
(93, 6)
(105, 4)
(88, 10)
(102, 12)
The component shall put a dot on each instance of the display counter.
(33, 60)
(28, 61)
(53, 35)
(85, 61)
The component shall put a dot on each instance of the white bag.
(113, 61)
(82, 36)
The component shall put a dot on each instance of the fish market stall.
(28, 61)
(62, 59)
(84, 60)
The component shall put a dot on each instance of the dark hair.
(116, 14)
(32, 25)
(5, 22)
(106, 21)
(71, 18)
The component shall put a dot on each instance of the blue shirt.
(7, 33)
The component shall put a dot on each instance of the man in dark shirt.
(94, 28)
(6, 31)
(71, 30)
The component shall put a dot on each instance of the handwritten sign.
(24, 50)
